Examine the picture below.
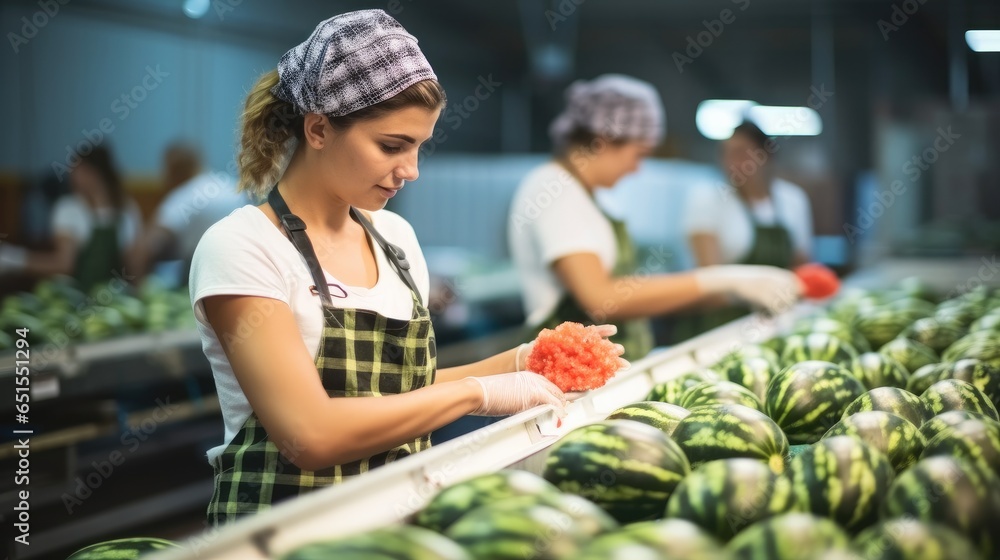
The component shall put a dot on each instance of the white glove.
(510, 393)
(774, 289)
(12, 258)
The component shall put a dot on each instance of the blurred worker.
(195, 200)
(578, 264)
(757, 219)
(94, 228)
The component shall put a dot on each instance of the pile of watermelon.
(868, 432)
(57, 312)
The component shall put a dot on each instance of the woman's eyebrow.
(403, 137)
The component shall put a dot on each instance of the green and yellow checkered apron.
(361, 354)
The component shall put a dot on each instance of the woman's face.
(368, 163)
(742, 159)
(86, 181)
(616, 161)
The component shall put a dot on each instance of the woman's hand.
(607, 331)
(510, 393)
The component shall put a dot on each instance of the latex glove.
(12, 258)
(510, 393)
(607, 331)
(772, 288)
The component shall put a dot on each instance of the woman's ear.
(317, 130)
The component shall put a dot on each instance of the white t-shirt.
(190, 209)
(246, 254)
(552, 216)
(74, 218)
(721, 212)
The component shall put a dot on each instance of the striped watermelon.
(668, 538)
(745, 352)
(915, 286)
(401, 541)
(791, 536)
(726, 496)
(660, 415)
(729, 431)
(988, 322)
(627, 468)
(878, 370)
(910, 308)
(719, 392)
(776, 344)
(833, 327)
(947, 420)
(952, 492)
(122, 549)
(984, 376)
(808, 398)
(843, 479)
(818, 346)
(923, 378)
(851, 304)
(953, 394)
(960, 317)
(892, 435)
(977, 441)
(672, 390)
(460, 498)
(895, 401)
(880, 325)
(752, 373)
(982, 345)
(910, 353)
(909, 539)
(520, 528)
(933, 333)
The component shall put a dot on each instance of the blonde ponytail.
(269, 130)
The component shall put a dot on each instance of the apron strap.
(296, 230)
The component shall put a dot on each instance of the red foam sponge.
(574, 357)
(818, 281)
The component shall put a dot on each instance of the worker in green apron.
(734, 232)
(312, 306)
(93, 228)
(578, 264)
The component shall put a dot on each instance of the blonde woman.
(311, 306)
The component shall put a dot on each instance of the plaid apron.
(361, 354)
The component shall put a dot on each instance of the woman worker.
(311, 305)
(94, 228)
(575, 262)
(760, 220)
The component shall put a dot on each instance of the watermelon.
(808, 398)
(725, 496)
(817, 346)
(775, 344)
(977, 441)
(878, 370)
(982, 345)
(926, 376)
(933, 333)
(462, 497)
(957, 315)
(660, 415)
(832, 327)
(947, 420)
(893, 400)
(910, 353)
(745, 352)
(668, 538)
(719, 392)
(880, 325)
(627, 468)
(843, 479)
(790, 536)
(909, 539)
(910, 308)
(953, 394)
(519, 528)
(894, 436)
(729, 431)
(851, 304)
(952, 492)
(401, 541)
(984, 376)
(672, 390)
(122, 549)
(752, 373)
(988, 322)
(916, 287)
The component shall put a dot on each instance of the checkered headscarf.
(616, 106)
(350, 62)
